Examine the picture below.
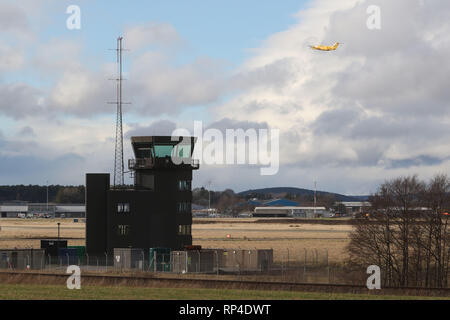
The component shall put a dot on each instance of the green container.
(81, 251)
(162, 259)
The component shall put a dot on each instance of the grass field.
(45, 292)
(287, 239)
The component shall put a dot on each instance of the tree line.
(406, 233)
(38, 194)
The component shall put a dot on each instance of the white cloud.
(372, 106)
(152, 34)
(158, 87)
(376, 108)
(13, 18)
(19, 100)
(83, 93)
(11, 59)
(75, 82)
(61, 151)
(57, 56)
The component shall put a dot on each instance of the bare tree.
(436, 238)
(407, 233)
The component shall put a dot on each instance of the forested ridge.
(38, 194)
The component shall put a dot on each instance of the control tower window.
(123, 208)
(177, 151)
(184, 185)
(184, 207)
(143, 153)
(163, 151)
(183, 151)
(123, 230)
(185, 230)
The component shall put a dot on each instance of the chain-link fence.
(220, 262)
(312, 266)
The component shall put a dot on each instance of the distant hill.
(361, 198)
(298, 191)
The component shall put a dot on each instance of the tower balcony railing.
(136, 164)
(149, 163)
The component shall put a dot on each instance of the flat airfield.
(288, 238)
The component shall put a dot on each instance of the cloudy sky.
(375, 109)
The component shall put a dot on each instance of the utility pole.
(315, 197)
(47, 197)
(209, 193)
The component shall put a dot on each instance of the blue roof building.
(281, 203)
(254, 203)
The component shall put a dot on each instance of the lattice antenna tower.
(119, 167)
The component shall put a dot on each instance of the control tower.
(154, 213)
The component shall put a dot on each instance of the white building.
(39, 210)
(290, 212)
(355, 207)
(13, 211)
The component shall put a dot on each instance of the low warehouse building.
(70, 211)
(40, 210)
(353, 208)
(13, 211)
(290, 212)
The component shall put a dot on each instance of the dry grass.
(269, 231)
(19, 233)
(336, 248)
(286, 239)
(245, 234)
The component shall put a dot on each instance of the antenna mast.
(119, 167)
(118, 162)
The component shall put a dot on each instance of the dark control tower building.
(156, 211)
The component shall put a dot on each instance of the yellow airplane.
(326, 48)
